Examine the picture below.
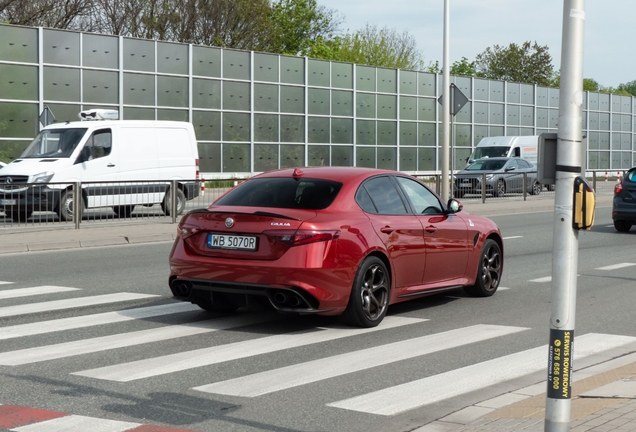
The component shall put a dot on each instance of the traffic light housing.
(584, 204)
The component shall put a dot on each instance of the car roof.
(335, 173)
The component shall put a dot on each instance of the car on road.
(502, 175)
(624, 203)
(331, 241)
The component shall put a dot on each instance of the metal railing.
(54, 204)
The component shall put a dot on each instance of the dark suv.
(624, 206)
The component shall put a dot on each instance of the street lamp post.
(446, 104)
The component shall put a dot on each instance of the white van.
(525, 147)
(143, 154)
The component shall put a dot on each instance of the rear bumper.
(285, 283)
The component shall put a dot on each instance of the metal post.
(483, 188)
(173, 200)
(446, 102)
(77, 204)
(525, 185)
(565, 239)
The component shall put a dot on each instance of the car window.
(486, 165)
(384, 196)
(310, 194)
(99, 144)
(523, 164)
(512, 164)
(423, 200)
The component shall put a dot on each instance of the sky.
(478, 24)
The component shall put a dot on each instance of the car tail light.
(186, 230)
(618, 187)
(301, 237)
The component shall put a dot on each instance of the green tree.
(464, 68)
(297, 26)
(629, 87)
(526, 63)
(378, 47)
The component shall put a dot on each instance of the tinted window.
(486, 165)
(313, 194)
(385, 196)
(423, 200)
(364, 201)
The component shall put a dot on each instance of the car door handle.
(387, 229)
(430, 229)
(110, 165)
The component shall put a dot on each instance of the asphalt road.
(101, 368)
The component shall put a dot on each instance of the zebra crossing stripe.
(26, 419)
(5, 283)
(312, 371)
(616, 266)
(42, 327)
(414, 394)
(78, 423)
(207, 356)
(71, 303)
(105, 343)
(26, 292)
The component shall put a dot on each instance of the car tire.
(536, 188)
(369, 299)
(500, 189)
(123, 211)
(488, 272)
(66, 206)
(622, 225)
(19, 216)
(181, 202)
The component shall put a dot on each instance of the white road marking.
(71, 303)
(414, 394)
(512, 237)
(541, 280)
(78, 423)
(51, 326)
(296, 375)
(5, 283)
(616, 266)
(502, 288)
(104, 343)
(26, 292)
(207, 356)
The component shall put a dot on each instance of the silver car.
(502, 175)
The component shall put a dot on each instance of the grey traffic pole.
(565, 239)
(446, 103)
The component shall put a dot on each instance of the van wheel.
(19, 216)
(123, 211)
(181, 202)
(66, 206)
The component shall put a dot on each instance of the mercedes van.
(120, 164)
(525, 147)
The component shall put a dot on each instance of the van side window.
(100, 143)
(517, 152)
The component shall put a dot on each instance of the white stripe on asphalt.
(71, 303)
(207, 356)
(512, 237)
(104, 343)
(543, 279)
(5, 283)
(414, 394)
(78, 423)
(51, 326)
(616, 266)
(300, 374)
(26, 292)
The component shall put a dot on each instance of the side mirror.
(454, 206)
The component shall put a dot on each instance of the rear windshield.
(310, 194)
(486, 165)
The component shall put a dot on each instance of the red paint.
(13, 416)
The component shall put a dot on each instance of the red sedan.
(331, 241)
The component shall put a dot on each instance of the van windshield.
(54, 143)
(488, 152)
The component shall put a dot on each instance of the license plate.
(225, 241)
(8, 202)
(466, 181)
